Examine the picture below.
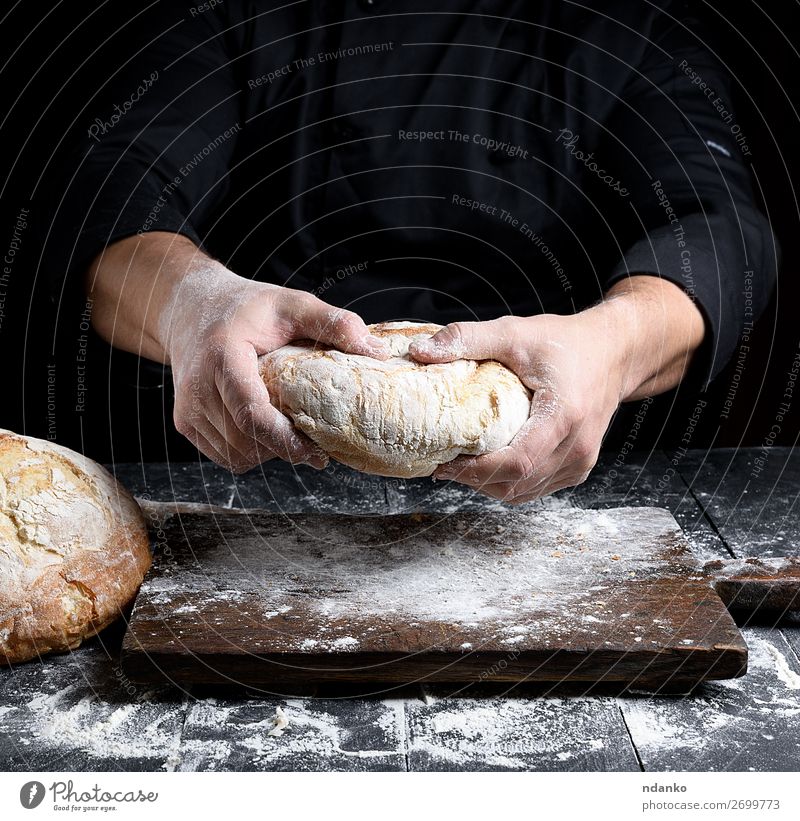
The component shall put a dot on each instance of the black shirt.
(458, 160)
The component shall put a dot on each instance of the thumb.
(337, 327)
(463, 340)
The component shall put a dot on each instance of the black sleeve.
(690, 191)
(155, 145)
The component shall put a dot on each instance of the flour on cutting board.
(464, 570)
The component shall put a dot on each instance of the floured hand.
(215, 326)
(159, 296)
(580, 367)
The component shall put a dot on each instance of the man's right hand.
(211, 326)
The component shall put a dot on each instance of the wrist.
(194, 289)
(612, 330)
(657, 328)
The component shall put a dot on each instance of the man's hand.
(219, 326)
(579, 368)
(186, 310)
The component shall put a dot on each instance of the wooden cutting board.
(574, 595)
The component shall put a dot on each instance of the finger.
(243, 453)
(207, 448)
(231, 458)
(543, 489)
(571, 475)
(245, 450)
(199, 431)
(207, 416)
(247, 401)
(524, 458)
(502, 491)
(311, 318)
(465, 340)
(569, 466)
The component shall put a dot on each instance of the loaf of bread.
(395, 417)
(73, 548)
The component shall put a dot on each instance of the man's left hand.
(578, 368)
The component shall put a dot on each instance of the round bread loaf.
(395, 417)
(73, 548)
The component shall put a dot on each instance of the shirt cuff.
(697, 273)
(107, 224)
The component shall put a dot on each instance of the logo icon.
(31, 794)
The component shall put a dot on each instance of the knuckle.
(561, 428)
(345, 323)
(458, 332)
(304, 302)
(183, 426)
(585, 452)
(522, 465)
(244, 417)
(285, 446)
(341, 317)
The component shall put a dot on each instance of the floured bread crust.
(73, 548)
(396, 417)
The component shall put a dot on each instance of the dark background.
(59, 56)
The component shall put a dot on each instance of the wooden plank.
(752, 502)
(751, 723)
(758, 586)
(552, 723)
(322, 735)
(544, 596)
(515, 732)
(79, 712)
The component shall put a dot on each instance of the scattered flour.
(508, 733)
(139, 729)
(784, 672)
(281, 723)
(219, 735)
(719, 727)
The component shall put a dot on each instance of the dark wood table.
(80, 712)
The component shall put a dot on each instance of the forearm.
(656, 330)
(132, 284)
